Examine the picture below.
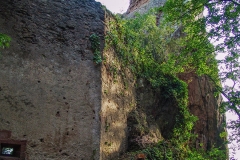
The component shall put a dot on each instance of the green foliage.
(158, 54)
(223, 21)
(4, 40)
(167, 151)
(95, 44)
(153, 54)
(212, 154)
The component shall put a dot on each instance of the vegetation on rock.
(95, 44)
(180, 44)
(222, 19)
(4, 40)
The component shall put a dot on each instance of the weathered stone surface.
(143, 121)
(153, 119)
(4, 134)
(135, 4)
(142, 6)
(118, 100)
(202, 102)
(204, 105)
(65, 107)
(50, 89)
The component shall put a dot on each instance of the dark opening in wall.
(7, 151)
(11, 149)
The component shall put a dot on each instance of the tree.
(223, 21)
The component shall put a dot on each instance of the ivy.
(158, 54)
(4, 40)
(95, 44)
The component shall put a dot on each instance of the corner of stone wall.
(118, 100)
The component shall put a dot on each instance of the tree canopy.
(222, 20)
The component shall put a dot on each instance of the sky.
(116, 6)
(121, 6)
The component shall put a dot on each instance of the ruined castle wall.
(54, 98)
(142, 6)
(50, 89)
(206, 106)
(118, 100)
(202, 101)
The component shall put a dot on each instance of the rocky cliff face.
(202, 102)
(205, 105)
(142, 6)
(135, 4)
(154, 118)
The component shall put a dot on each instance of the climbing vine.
(158, 54)
(95, 44)
(4, 40)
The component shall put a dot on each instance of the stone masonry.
(57, 104)
(50, 89)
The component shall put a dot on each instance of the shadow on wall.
(153, 119)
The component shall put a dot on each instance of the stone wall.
(142, 6)
(202, 102)
(135, 4)
(118, 100)
(57, 104)
(205, 105)
(50, 89)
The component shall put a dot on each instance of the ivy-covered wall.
(205, 105)
(118, 100)
(80, 83)
(184, 114)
